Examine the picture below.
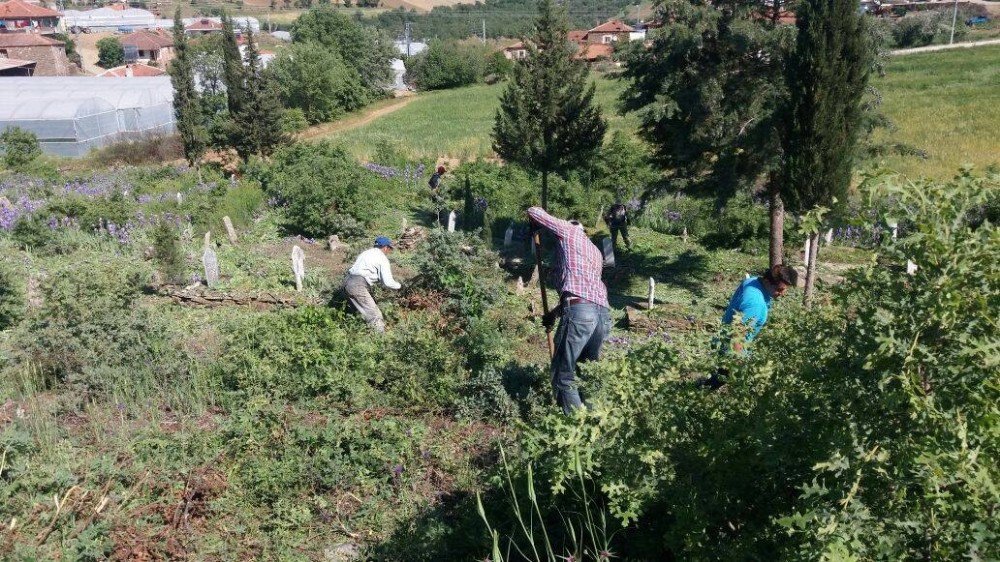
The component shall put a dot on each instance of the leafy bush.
(498, 65)
(12, 297)
(167, 253)
(316, 80)
(110, 52)
(462, 267)
(319, 187)
(446, 65)
(863, 429)
(20, 148)
(91, 335)
(925, 28)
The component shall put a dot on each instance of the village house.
(18, 15)
(607, 33)
(517, 51)
(203, 26)
(153, 46)
(48, 54)
(16, 67)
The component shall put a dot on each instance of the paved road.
(932, 48)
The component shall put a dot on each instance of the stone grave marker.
(451, 221)
(609, 252)
(230, 231)
(211, 263)
(208, 239)
(298, 266)
(180, 198)
(806, 252)
(828, 238)
(652, 293)
(335, 243)
(520, 286)
(508, 236)
(911, 268)
(684, 235)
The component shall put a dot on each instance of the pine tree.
(709, 94)
(827, 77)
(257, 124)
(187, 102)
(547, 121)
(233, 72)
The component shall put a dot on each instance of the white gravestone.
(609, 252)
(230, 231)
(211, 263)
(806, 251)
(334, 242)
(895, 229)
(829, 237)
(508, 236)
(652, 293)
(451, 221)
(180, 198)
(298, 266)
(684, 235)
(208, 239)
(911, 268)
(520, 286)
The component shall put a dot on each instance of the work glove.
(549, 319)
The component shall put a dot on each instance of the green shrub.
(498, 65)
(167, 253)
(925, 28)
(317, 81)
(463, 268)
(318, 185)
(446, 65)
(19, 147)
(293, 120)
(110, 52)
(12, 297)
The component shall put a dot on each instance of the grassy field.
(454, 123)
(948, 104)
(945, 103)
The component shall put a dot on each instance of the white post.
(451, 221)
(652, 293)
(298, 266)
(807, 252)
(954, 20)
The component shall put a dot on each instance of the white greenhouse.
(72, 115)
(106, 19)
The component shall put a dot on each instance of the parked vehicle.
(977, 20)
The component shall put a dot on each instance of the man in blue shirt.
(752, 301)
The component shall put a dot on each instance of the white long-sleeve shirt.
(373, 265)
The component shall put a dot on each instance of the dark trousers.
(581, 333)
(623, 229)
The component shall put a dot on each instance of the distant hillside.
(504, 18)
(422, 5)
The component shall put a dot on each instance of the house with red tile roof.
(203, 26)
(154, 46)
(517, 51)
(18, 15)
(609, 32)
(48, 54)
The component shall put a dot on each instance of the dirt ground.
(86, 45)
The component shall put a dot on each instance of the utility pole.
(954, 19)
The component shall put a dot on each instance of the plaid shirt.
(578, 261)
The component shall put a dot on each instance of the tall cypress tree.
(233, 72)
(187, 102)
(257, 123)
(547, 121)
(827, 76)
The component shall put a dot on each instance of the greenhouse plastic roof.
(53, 109)
(39, 91)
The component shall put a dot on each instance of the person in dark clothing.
(617, 221)
(436, 196)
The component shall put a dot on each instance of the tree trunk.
(811, 269)
(777, 246)
(545, 190)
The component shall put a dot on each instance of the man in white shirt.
(371, 267)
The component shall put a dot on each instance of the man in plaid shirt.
(583, 304)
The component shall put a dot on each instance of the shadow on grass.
(688, 270)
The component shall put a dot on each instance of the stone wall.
(51, 59)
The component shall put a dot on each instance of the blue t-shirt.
(752, 301)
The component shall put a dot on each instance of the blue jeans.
(581, 333)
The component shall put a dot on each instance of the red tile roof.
(204, 25)
(577, 36)
(6, 64)
(17, 39)
(594, 51)
(138, 70)
(148, 40)
(18, 9)
(613, 26)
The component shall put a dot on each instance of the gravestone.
(298, 266)
(208, 239)
(230, 231)
(451, 221)
(508, 236)
(684, 235)
(520, 286)
(180, 198)
(895, 229)
(652, 293)
(335, 243)
(828, 237)
(211, 263)
(911, 268)
(609, 252)
(806, 252)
